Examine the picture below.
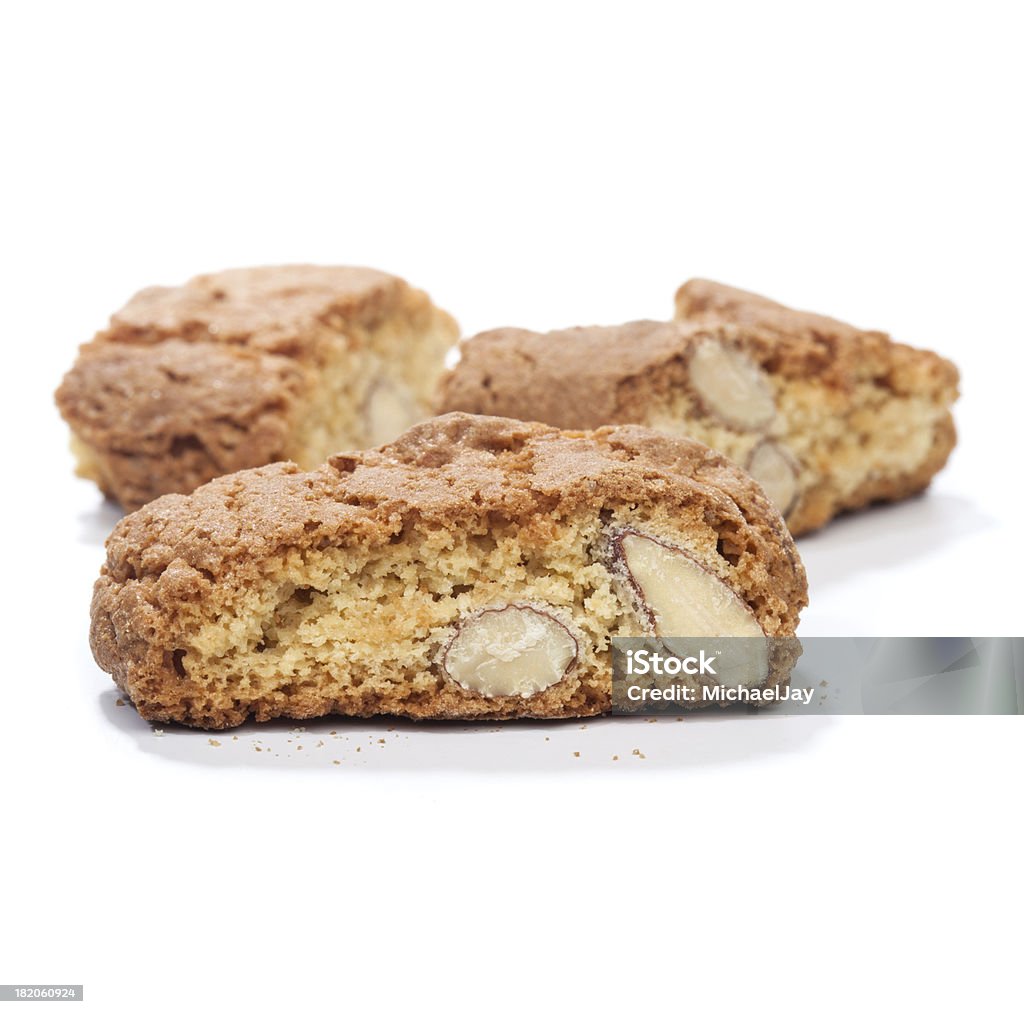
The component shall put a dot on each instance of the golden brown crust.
(593, 376)
(175, 415)
(457, 472)
(274, 309)
(198, 380)
(578, 378)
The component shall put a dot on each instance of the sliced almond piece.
(777, 471)
(513, 651)
(682, 601)
(389, 411)
(731, 386)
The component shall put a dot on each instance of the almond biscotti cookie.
(246, 367)
(474, 568)
(826, 417)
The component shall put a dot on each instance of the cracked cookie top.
(268, 308)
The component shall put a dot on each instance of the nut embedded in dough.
(777, 471)
(683, 599)
(731, 386)
(679, 596)
(517, 650)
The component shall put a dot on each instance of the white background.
(542, 165)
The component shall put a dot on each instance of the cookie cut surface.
(246, 367)
(474, 568)
(827, 417)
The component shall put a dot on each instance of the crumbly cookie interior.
(369, 384)
(843, 441)
(360, 630)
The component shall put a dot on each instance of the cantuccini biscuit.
(827, 417)
(247, 367)
(474, 568)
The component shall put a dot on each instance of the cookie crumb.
(575, 753)
(119, 703)
(213, 742)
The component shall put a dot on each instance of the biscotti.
(247, 367)
(474, 568)
(828, 418)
